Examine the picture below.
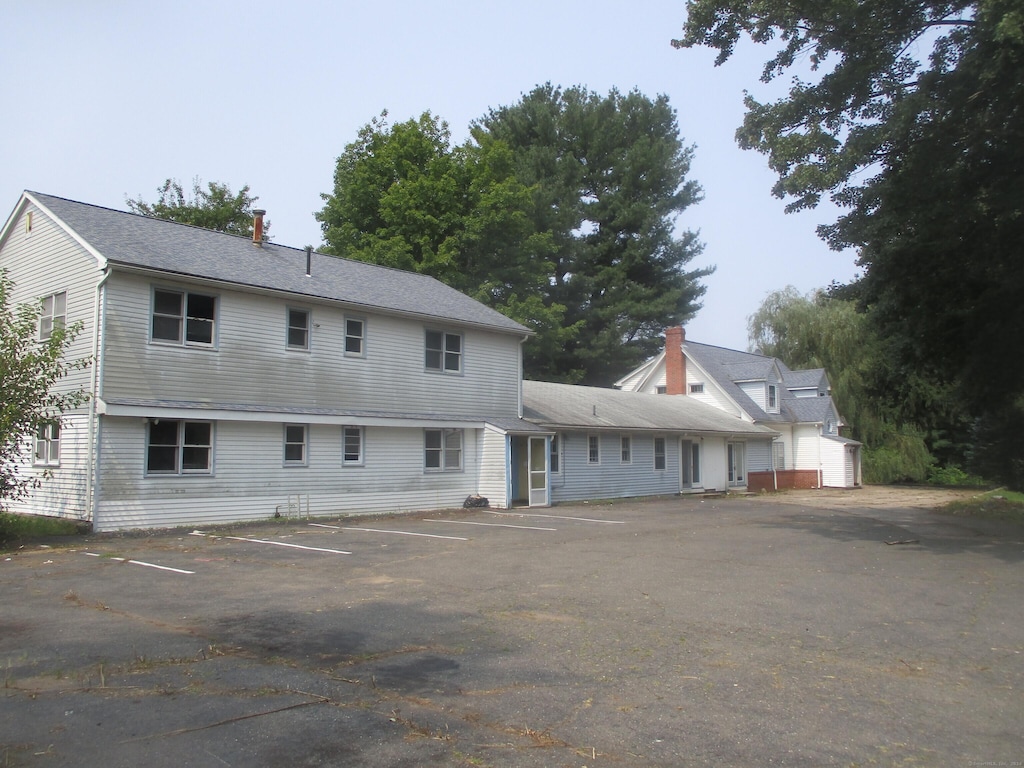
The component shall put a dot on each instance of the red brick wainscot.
(783, 479)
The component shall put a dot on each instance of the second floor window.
(183, 317)
(53, 314)
(177, 447)
(355, 332)
(444, 352)
(696, 389)
(48, 444)
(298, 329)
(773, 398)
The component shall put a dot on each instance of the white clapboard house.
(808, 451)
(234, 379)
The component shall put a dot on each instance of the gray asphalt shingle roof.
(567, 405)
(132, 240)
(728, 366)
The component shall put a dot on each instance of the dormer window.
(773, 398)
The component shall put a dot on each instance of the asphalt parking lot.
(791, 631)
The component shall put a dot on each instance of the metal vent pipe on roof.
(309, 259)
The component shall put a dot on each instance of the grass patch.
(999, 504)
(18, 528)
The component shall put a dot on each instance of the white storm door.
(538, 464)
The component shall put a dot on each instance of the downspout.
(92, 466)
(821, 474)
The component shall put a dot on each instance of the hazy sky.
(104, 99)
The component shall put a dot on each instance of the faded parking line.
(556, 517)
(275, 543)
(379, 530)
(140, 562)
(490, 525)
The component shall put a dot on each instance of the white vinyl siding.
(493, 454)
(579, 481)
(46, 262)
(251, 482)
(391, 378)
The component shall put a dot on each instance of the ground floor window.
(48, 444)
(593, 449)
(443, 450)
(179, 447)
(296, 437)
(626, 448)
(352, 445)
(659, 453)
(556, 455)
(779, 455)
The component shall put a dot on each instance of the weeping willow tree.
(883, 405)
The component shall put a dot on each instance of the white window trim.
(183, 340)
(49, 317)
(444, 450)
(304, 461)
(663, 454)
(590, 461)
(361, 431)
(180, 446)
(696, 388)
(47, 436)
(346, 336)
(308, 329)
(444, 352)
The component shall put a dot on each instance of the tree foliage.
(558, 211)
(925, 156)
(404, 197)
(214, 207)
(29, 371)
(608, 175)
(819, 331)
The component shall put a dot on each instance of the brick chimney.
(257, 225)
(675, 362)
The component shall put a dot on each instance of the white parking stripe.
(556, 517)
(399, 533)
(490, 525)
(275, 543)
(141, 562)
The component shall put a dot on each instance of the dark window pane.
(164, 432)
(162, 459)
(453, 342)
(167, 328)
(295, 434)
(167, 303)
(293, 452)
(195, 458)
(197, 433)
(433, 359)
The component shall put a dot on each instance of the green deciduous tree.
(925, 155)
(213, 207)
(29, 370)
(608, 176)
(404, 197)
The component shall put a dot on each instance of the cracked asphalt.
(843, 628)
